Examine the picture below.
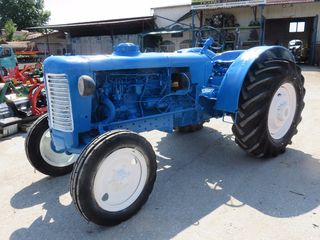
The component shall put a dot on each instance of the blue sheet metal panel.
(162, 122)
(73, 67)
(228, 96)
(200, 65)
(112, 62)
(145, 60)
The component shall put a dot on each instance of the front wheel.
(113, 177)
(270, 106)
(40, 153)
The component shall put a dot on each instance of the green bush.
(9, 29)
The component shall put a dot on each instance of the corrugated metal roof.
(19, 44)
(105, 27)
(95, 23)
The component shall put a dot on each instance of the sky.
(72, 11)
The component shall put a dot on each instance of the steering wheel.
(207, 31)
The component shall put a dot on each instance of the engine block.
(131, 94)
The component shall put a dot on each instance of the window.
(6, 52)
(185, 44)
(297, 27)
(177, 28)
(167, 46)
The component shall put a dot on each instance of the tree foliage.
(24, 13)
(9, 28)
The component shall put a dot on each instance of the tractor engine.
(130, 94)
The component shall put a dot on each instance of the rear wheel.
(113, 177)
(270, 106)
(40, 153)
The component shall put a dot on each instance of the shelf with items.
(234, 35)
(240, 37)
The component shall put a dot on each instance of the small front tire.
(113, 177)
(40, 153)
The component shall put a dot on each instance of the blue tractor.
(8, 59)
(98, 104)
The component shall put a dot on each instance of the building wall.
(297, 11)
(179, 42)
(294, 11)
(100, 44)
(174, 13)
(290, 11)
(243, 15)
(55, 44)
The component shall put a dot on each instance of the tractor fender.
(230, 88)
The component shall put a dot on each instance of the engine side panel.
(141, 93)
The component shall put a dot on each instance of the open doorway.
(282, 31)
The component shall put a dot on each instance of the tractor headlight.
(86, 85)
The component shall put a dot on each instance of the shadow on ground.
(194, 179)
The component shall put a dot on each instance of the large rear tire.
(40, 153)
(270, 106)
(113, 177)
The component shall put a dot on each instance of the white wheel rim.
(120, 179)
(282, 110)
(51, 157)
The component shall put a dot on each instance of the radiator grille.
(60, 112)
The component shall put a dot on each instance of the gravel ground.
(207, 188)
